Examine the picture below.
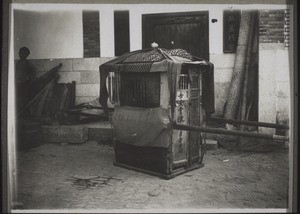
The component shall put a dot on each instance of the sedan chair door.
(188, 107)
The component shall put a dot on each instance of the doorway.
(187, 30)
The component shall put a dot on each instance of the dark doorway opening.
(188, 30)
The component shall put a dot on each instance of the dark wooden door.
(188, 30)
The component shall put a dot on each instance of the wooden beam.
(251, 123)
(229, 132)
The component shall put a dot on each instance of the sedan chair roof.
(150, 60)
(160, 60)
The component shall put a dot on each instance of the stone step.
(65, 134)
(211, 144)
(98, 131)
(102, 132)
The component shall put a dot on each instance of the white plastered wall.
(49, 34)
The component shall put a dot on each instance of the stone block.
(211, 144)
(105, 59)
(101, 134)
(266, 130)
(68, 77)
(98, 125)
(222, 89)
(222, 75)
(87, 90)
(83, 64)
(66, 64)
(222, 60)
(90, 77)
(65, 134)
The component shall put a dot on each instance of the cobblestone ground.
(65, 176)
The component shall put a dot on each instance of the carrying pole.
(228, 132)
(250, 123)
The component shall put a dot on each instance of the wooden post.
(239, 67)
(246, 76)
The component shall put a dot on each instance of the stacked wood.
(40, 91)
(50, 96)
(63, 96)
(243, 103)
(252, 90)
(37, 108)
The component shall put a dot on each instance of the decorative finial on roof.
(154, 45)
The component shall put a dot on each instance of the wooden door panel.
(187, 31)
(163, 41)
(180, 36)
(185, 36)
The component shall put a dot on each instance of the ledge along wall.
(85, 71)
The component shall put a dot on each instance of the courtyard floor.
(66, 176)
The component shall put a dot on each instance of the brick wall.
(271, 26)
(91, 34)
(85, 71)
(273, 70)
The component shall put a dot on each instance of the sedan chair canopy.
(161, 60)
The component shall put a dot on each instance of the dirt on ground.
(66, 176)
